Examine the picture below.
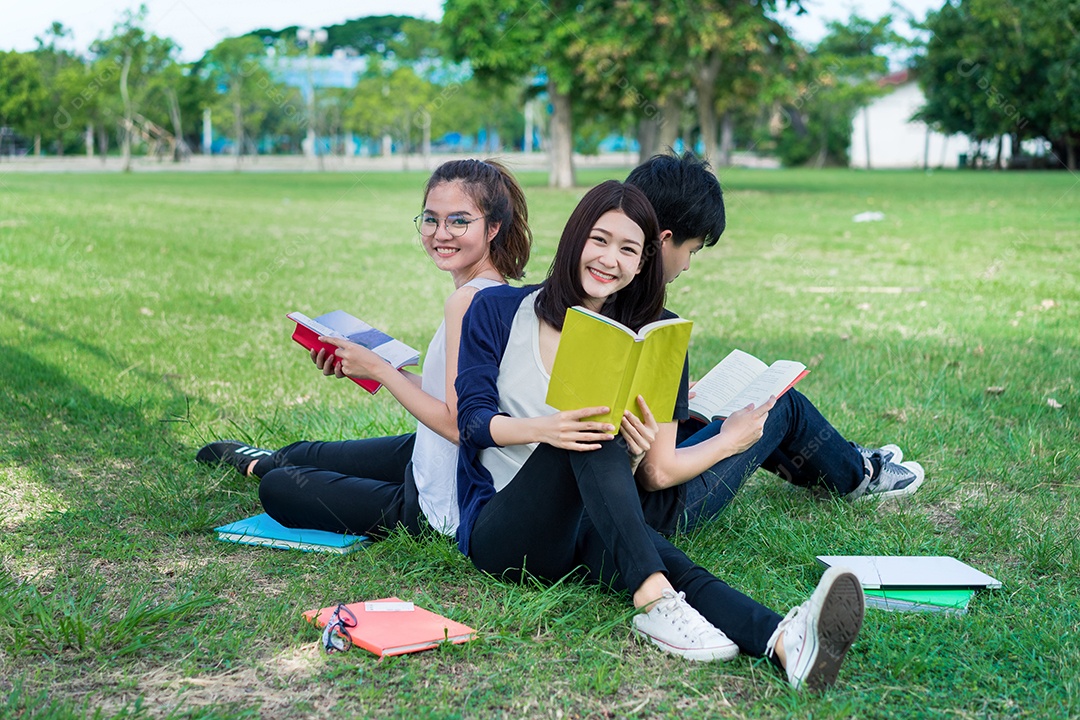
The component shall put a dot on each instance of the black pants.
(568, 512)
(360, 487)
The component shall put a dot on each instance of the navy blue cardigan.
(485, 332)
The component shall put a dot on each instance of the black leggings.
(360, 487)
(568, 512)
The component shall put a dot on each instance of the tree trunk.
(705, 85)
(37, 145)
(125, 145)
(648, 137)
(1070, 154)
(997, 156)
(88, 139)
(102, 142)
(671, 118)
(727, 138)
(527, 138)
(560, 154)
(238, 123)
(425, 144)
(180, 146)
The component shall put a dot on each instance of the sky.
(197, 25)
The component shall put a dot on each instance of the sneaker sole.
(723, 653)
(920, 475)
(838, 625)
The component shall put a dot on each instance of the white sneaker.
(675, 627)
(818, 633)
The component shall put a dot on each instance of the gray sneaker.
(894, 480)
(889, 453)
(675, 627)
(817, 634)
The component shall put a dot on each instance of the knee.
(278, 485)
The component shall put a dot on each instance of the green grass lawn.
(142, 315)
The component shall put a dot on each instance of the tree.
(653, 61)
(994, 67)
(390, 104)
(244, 88)
(833, 81)
(23, 97)
(522, 40)
(142, 57)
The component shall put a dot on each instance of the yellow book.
(602, 362)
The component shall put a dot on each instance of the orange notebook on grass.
(392, 627)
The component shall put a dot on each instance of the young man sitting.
(787, 436)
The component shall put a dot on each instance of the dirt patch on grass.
(276, 684)
(22, 498)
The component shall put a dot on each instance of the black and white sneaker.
(886, 474)
(231, 452)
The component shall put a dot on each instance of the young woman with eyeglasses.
(549, 493)
(474, 226)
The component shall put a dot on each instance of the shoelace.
(784, 627)
(685, 616)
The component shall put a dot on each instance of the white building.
(883, 135)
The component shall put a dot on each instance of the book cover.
(911, 571)
(265, 530)
(341, 324)
(740, 379)
(602, 362)
(393, 631)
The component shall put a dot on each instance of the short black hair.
(685, 194)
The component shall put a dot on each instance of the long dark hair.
(638, 303)
(499, 197)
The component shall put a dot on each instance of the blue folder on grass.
(264, 530)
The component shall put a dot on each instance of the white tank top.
(522, 385)
(434, 457)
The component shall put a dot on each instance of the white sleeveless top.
(522, 384)
(434, 457)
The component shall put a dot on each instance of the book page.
(781, 375)
(314, 325)
(721, 384)
(356, 330)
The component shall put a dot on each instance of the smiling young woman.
(553, 493)
(474, 226)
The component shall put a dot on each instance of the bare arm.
(565, 430)
(666, 465)
(436, 414)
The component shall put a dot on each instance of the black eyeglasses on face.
(335, 637)
(457, 225)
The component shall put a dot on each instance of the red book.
(392, 627)
(341, 324)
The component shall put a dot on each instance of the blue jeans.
(798, 444)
